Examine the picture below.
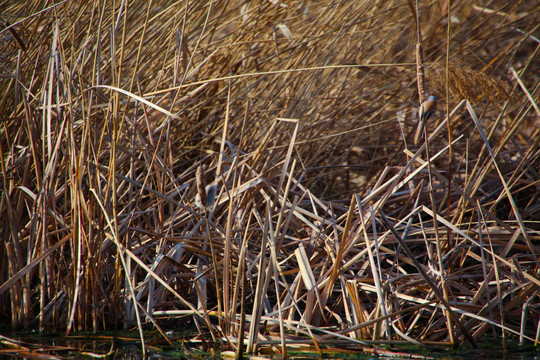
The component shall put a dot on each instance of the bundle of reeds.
(247, 167)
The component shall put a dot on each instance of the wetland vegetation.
(246, 170)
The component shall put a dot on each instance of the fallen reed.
(237, 167)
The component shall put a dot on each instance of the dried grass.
(229, 165)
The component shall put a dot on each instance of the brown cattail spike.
(201, 187)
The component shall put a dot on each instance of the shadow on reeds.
(228, 166)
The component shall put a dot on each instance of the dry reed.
(237, 166)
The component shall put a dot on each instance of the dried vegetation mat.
(245, 168)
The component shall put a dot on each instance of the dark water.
(127, 345)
